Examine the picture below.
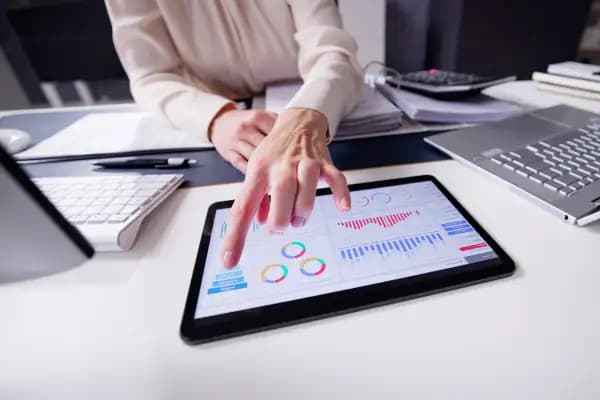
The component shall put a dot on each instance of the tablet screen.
(391, 232)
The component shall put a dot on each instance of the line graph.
(385, 221)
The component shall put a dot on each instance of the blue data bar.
(458, 232)
(227, 288)
(227, 282)
(455, 223)
(230, 274)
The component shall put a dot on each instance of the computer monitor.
(35, 239)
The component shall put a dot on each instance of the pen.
(162, 163)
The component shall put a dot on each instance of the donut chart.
(269, 277)
(293, 250)
(313, 266)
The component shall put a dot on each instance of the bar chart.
(384, 221)
(407, 246)
(228, 281)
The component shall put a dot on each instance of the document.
(373, 115)
(474, 109)
(114, 132)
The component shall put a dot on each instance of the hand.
(237, 133)
(288, 163)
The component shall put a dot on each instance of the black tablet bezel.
(291, 312)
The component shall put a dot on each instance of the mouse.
(14, 140)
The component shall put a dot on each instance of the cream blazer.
(187, 59)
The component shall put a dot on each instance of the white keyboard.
(108, 210)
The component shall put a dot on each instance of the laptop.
(551, 156)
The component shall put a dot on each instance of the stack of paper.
(479, 108)
(373, 113)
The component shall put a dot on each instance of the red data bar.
(472, 247)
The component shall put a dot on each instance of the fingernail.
(228, 259)
(298, 221)
(345, 204)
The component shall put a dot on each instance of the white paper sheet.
(113, 132)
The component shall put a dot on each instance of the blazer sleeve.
(326, 60)
(158, 78)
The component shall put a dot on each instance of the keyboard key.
(97, 219)
(522, 172)
(585, 170)
(78, 219)
(565, 191)
(534, 148)
(113, 219)
(496, 161)
(129, 209)
(577, 174)
(548, 174)
(119, 201)
(549, 152)
(137, 201)
(92, 210)
(565, 180)
(509, 166)
(101, 201)
(552, 185)
(537, 166)
(537, 178)
(578, 185)
(113, 209)
(565, 167)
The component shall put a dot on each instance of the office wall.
(365, 20)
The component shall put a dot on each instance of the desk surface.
(109, 329)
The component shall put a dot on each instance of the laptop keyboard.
(564, 163)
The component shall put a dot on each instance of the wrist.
(224, 110)
(306, 121)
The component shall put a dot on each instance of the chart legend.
(385, 221)
(457, 227)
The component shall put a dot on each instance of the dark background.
(61, 41)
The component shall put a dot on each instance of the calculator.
(445, 84)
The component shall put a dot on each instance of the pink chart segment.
(385, 221)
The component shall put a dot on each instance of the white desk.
(109, 329)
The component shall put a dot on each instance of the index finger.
(243, 211)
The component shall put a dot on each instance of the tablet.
(403, 238)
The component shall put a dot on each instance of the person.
(189, 59)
